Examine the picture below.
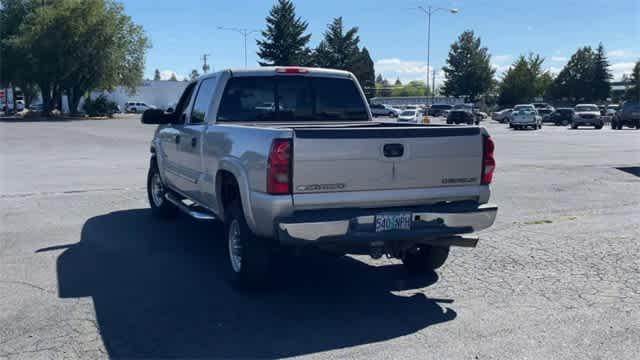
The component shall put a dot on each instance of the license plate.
(391, 222)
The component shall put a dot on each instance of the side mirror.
(157, 117)
(170, 110)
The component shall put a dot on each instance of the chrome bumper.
(359, 225)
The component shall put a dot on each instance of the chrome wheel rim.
(157, 190)
(235, 246)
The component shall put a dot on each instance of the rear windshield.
(408, 113)
(291, 98)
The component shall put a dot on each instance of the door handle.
(177, 139)
(194, 142)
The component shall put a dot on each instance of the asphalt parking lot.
(86, 272)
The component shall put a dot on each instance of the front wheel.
(156, 192)
(425, 258)
(249, 256)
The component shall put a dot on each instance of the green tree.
(156, 75)
(339, 49)
(601, 75)
(74, 47)
(383, 87)
(468, 71)
(585, 77)
(194, 75)
(524, 81)
(284, 40)
(633, 92)
(173, 77)
(13, 70)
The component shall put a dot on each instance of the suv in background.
(562, 116)
(137, 107)
(383, 110)
(439, 109)
(587, 115)
(462, 114)
(628, 116)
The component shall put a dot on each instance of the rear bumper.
(356, 227)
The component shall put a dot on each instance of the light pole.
(244, 32)
(428, 11)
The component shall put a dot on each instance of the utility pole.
(205, 66)
(245, 33)
(433, 86)
(428, 11)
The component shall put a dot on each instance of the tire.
(425, 259)
(574, 126)
(598, 127)
(564, 123)
(613, 125)
(250, 257)
(638, 126)
(539, 126)
(160, 206)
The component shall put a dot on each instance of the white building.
(159, 93)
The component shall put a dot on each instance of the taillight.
(488, 160)
(279, 167)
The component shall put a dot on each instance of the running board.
(459, 241)
(189, 209)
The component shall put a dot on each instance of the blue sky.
(395, 33)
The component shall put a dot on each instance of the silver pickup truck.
(290, 157)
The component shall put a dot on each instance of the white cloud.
(621, 68)
(622, 53)
(166, 75)
(406, 70)
(559, 58)
(501, 63)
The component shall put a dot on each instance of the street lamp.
(428, 11)
(244, 32)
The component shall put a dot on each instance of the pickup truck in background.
(315, 170)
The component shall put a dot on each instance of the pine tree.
(284, 40)
(575, 80)
(173, 77)
(468, 71)
(338, 49)
(364, 71)
(156, 76)
(601, 75)
(633, 92)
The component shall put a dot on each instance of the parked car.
(541, 105)
(288, 178)
(524, 116)
(545, 113)
(462, 114)
(587, 115)
(502, 116)
(137, 107)
(36, 107)
(562, 116)
(439, 109)
(628, 115)
(20, 105)
(411, 116)
(383, 110)
(611, 110)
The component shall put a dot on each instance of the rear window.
(291, 98)
(586, 108)
(629, 107)
(441, 107)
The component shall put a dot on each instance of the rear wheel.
(425, 258)
(598, 127)
(574, 126)
(249, 255)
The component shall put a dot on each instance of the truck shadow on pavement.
(159, 290)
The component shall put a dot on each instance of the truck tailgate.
(385, 158)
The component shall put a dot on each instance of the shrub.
(101, 106)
